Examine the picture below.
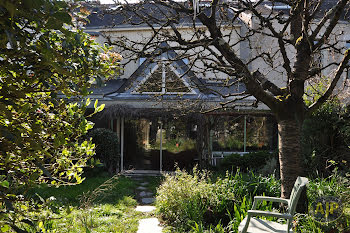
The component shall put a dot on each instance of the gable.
(174, 83)
(152, 84)
(163, 79)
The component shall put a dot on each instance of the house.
(166, 108)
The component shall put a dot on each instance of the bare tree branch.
(333, 84)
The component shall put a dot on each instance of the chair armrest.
(254, 213)
(274, 199)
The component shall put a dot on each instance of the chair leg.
(245, 228)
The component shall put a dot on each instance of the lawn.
(99, 204)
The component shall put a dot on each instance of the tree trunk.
(289, 154)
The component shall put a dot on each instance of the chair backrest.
(299, 184)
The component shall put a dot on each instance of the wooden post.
(118, 128)
(122, 144)
(161, 147)
(245, 134)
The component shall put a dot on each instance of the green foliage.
(314, 91)
(249, 161)
(107, 148)
(180, 198)
(335, 186)
(223, 202)
(195, 201)
(42, 59)
(326, 136)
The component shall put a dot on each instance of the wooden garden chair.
(256, 225)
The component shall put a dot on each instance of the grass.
(153, 183)
(100, 204)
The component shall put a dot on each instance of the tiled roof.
(112, 16)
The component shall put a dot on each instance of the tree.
(284, 46)
(43, 58)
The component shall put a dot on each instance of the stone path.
(148, 225)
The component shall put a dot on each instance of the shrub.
(249, 161)
(107, 148)
(326, 136)
(181, 198)
(198, 201)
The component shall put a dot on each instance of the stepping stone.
(141, 188)
(145, 208)
(147, 200)
(145, 194)
(144, 183)
(149, 225)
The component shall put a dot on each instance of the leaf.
(100, 108)
(88, 101)
(5, 228)
(95, 105)
(5, 184)
(297, 42)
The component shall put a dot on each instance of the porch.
(151, 143)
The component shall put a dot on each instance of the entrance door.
(142, 144)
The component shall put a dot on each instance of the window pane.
(153, 83)
(173, 82)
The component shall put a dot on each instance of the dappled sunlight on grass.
(100, 204)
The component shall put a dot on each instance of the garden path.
(146, 199)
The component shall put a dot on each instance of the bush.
(250, 161)
(198, 201)
(182, 198)
(107, 148)
(326, 136)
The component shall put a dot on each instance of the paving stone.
(145, 194)
(144, 183)
(149, 225)
(147, 200)
(145, 208)
(141, 188)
